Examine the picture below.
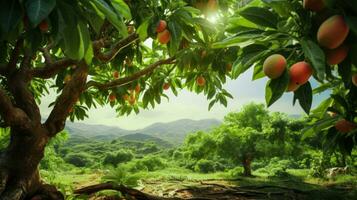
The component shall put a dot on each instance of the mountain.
(100, 132)
(176, 131)
(172, 132)
(144, 138)
(295, 116)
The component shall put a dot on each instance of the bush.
(121, 176)
(259, 164)
(177, 155)
(235, 172)
(78, 159)
(277, 168)
(121, 156)
(205, 166)
(148, 163)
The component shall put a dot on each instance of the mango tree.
(306, 47)
(92, 53)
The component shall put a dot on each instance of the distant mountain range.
(172, 132)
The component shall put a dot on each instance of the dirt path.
(227, 190)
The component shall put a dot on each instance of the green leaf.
(340, 100)
(251, 54)
(10, 15)
(71, 38)
(304, 95)
(211, 104)
(241, 39)
(322, 88)
(88, 57)
(260, 16)
(282, 7)
(176, 36)
(316, 56)
(122, 8)
(275, 88)
(114, 19)
(321, 109)
(85, 43)
(318, 126)
(352, 23)
(258, 72)
(38, 10)
(143, 29)
(345, 71)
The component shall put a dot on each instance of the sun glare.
(213, 18)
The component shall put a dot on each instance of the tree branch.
(11, 66)
(18, 85)
(135, 76)
(64, 103)
(2, 70)
(12, 116)
(46, 53)
(51, 69)
(108, 56)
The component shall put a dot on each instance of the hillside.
(176, 131)
(144, 138)
(172, 132)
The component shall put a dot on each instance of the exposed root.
(133, 193)
(48, 192)
(3, 180)
(13, 193)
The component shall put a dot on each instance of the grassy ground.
(178, 182)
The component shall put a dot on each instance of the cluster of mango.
(331, 36)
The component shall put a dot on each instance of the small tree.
(240, 145)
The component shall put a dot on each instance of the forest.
(63, 60)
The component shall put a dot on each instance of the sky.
(189, 105)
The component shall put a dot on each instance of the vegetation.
(267, 147)
(128, 53)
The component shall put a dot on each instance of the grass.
(173, 178)
(176, 173)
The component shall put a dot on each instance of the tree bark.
(19, 174)
(247, 166)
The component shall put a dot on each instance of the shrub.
(177, 155)
(148, 163)
(277, 168)
(152, 163)
(121, 156)
(121, 176)
(78, 159)
(235, 172)
(205, 166)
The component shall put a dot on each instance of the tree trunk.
(19, 174)
(247, 166)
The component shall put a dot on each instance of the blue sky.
(190, 105)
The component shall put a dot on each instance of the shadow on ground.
(251, 188)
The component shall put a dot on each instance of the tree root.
(122, 189)
(48, 192)
(3, 180)
(18, 191)
(252, 191)
(13, 193)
